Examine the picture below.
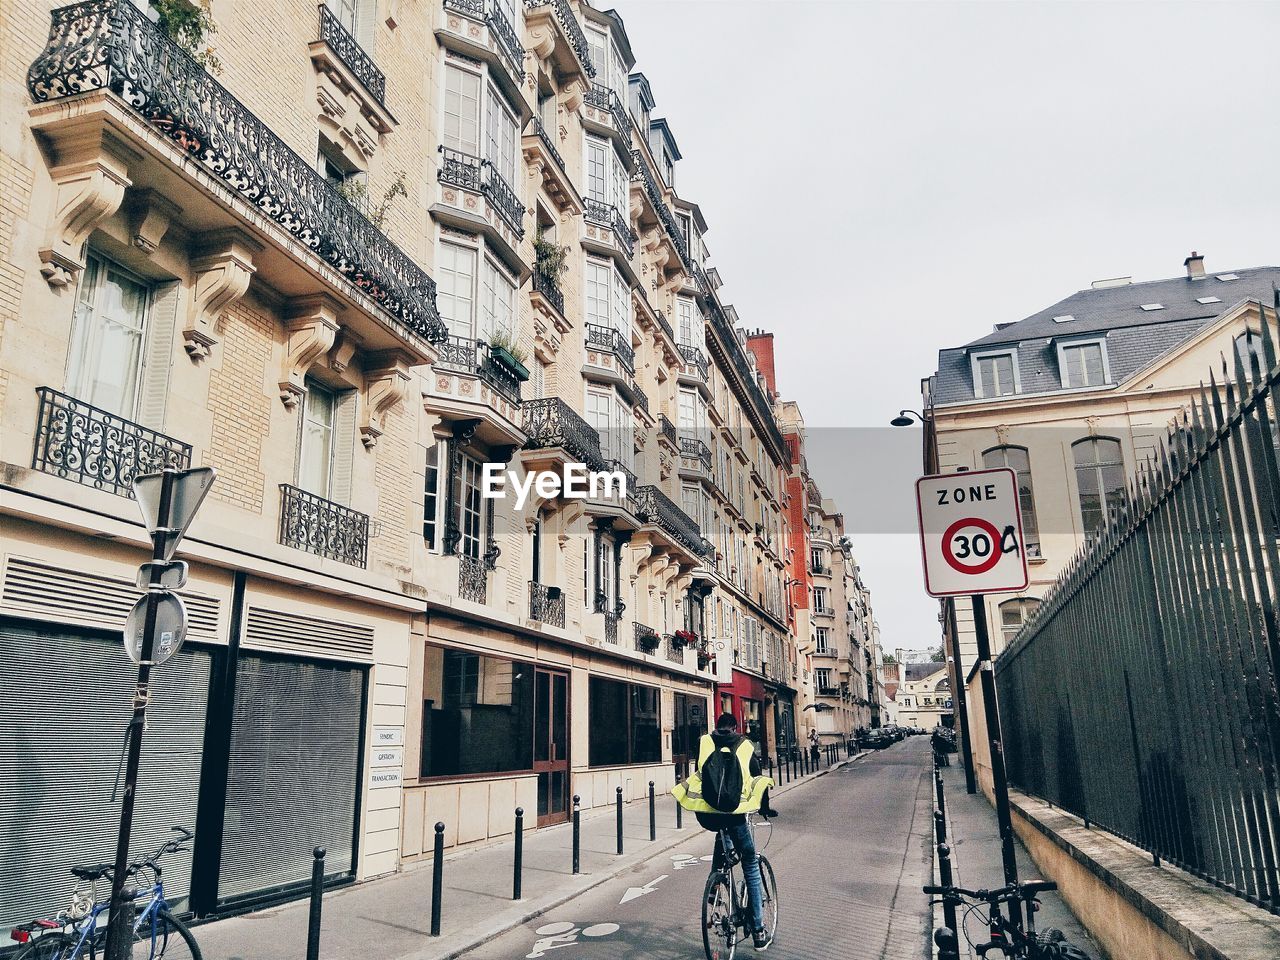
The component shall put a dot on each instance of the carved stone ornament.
(312, 325)
(222, 267)
(89, 186)
(386, 383)
(150, 215)
(344, 348)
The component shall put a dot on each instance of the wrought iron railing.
(111, 45)
(480, 176)
(460, 169)
(508, 40)
(667, 430)
(606, 215)
(673, 649)
(611, 620)
(694, 358)
(693, 449)
(608, 338)
(473, 579)
(646, 639)
(642, 399)
(549, 422)
(352, 54)
(720, 323)
(664, 323)
(470, 8)
(476, 357)
(633, 482)
(549, 287)
(504, 199)
(605, 98)
(545, 138)
(572, 30)
(665, 216)
(654, 506)
(78, 441)
(542, 608)
(1141, 695)
(322, 527)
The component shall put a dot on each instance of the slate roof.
(1135, 337)
(921, 671)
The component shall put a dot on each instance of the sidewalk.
(976, 862)
(390, 918)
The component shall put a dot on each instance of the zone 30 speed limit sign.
(971, 533)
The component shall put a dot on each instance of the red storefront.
(744, 698)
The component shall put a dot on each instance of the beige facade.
(923, 697)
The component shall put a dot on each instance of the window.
(1017, 460)
(995, 374)
(497, 303)
(331, 165)
(613, 421)
(691, 323)
(608, 298)
(107, 337)
(607, 180)
(461, 110)
(431, 501)
(463, 501)
(500, 148)
(820, 598)
(822, 637)
(315, 460)
(477, 714)
(1083, 364)
(1099, 479)
(1013, 614)
(815, 557)
(625, 725)
(455, 291)
(822, 678)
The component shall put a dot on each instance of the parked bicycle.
(726, 913)
(1014, 941)
(80, 931)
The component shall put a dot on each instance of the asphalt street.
(850, 851)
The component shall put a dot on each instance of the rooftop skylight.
(1065, 318)
(1153, 306)
(1228, 276)
(1207, 300)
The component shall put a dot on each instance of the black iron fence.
(352, 54)
(546, 604)
(322, 527)
(1142, 694)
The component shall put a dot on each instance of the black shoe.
(761, 940)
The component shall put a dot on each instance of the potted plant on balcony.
(188, 24)
(705, 656)
(683, 638)
(505, 352)
(649, 642)
(549, 261)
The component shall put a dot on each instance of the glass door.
(551, 745)
(690, 725)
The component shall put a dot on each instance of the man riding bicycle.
(729, 771)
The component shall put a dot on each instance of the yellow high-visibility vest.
(689, 793)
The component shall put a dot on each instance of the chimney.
(761, 344)
(1194, 265)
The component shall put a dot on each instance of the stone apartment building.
(1074, 398)
(923, 696)
(349, 264)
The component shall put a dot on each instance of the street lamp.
(903, 419)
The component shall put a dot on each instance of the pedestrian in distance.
(727, 785)
(814, 749)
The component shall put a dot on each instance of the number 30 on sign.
(971, 533)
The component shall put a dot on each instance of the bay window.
(612, 419)
(475, 295)
(462, 110)
(608, 298)
(691, 331)
(611, 71)
(470, 103)
(607, 179)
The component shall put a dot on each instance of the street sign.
(173, 574)
(171, 628)
(189, 490)
(971, 533)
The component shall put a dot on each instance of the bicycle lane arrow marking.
(635, 893)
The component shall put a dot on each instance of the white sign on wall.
(388, 777)
(388, 736)
(387, 757)
(971, 533)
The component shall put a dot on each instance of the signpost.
(154, 632)
(971, 543)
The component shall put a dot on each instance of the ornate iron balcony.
(674, 653)
(724, 330)
(642, 400)
(605, 98)
(664, 323)
(654, 506)
(665, 217)
(542, 608)
(322, 527)
(633, 482)
(352, 54)
(611, 619)
(549, 288)
(667, 429)
(473, 579)
(606, 215)
(693, 357)
(111, 45)
(475, 357)
(460, 169)
(508, 40)
(500, 194)
(480, 176)
(549, 143)
(80, 442)
(572, 30)
(549, 422)
(607, 338)
(691, 448)
(646, 639)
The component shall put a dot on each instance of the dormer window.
(995, 373)
(1084, 364)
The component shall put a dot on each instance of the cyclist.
(754, 796)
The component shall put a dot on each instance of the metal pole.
(519, 864)
(679, 817)
(121, 919)
(618, 804)
(961, 701)
(577, 832)
(437, 880)
(317, 893)
(944, 875)
(653, 823)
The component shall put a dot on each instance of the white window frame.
(1061, 346)
(975, 360)
(89, 326)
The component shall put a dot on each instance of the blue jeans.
(740, 837)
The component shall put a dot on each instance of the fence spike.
(1220, 416)
(1227, 387)
(1244, 378)
(1268, 344)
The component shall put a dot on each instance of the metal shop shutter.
(294, 771)
(65, 700)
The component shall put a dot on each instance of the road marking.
(565, 933)
(635, 893)
(681, 860)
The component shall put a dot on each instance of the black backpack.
(722, 779)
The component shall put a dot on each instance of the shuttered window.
(293, 773)
(65, 700)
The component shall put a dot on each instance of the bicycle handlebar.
(1023, 890)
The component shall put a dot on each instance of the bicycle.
(725, 907)
(1014, 941)
(76, 934)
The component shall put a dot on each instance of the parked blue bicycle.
(80, 931)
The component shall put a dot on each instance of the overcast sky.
(885, 179)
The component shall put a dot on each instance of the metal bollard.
(577, 832)
(944, 875)
(317, 893)
(679, 816)
(519, 861)
(618, 804)
(437, 880)
(653, 822)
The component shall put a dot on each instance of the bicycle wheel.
(52, 946)
(719, 931)
(769, 902)
(172, 939)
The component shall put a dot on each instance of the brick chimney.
(760, 344)
(1194, 265)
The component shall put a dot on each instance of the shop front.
(744, 697)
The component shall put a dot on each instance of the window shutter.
(153, 392)
(344, 444)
